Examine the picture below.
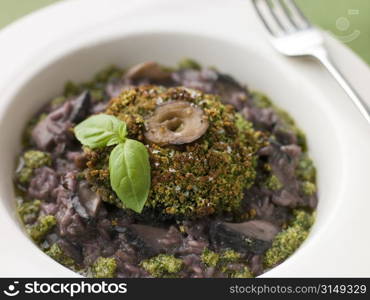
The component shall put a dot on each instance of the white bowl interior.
(246, 65)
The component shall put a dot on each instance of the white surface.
(72, 39)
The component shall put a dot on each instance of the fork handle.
(361, 105)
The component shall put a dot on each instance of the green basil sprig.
(129, 166)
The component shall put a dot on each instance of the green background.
(341, 17)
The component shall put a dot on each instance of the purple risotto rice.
(165, 172)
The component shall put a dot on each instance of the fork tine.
(282, 15)
(287, 13)
(272, 10)
(261, 15)
(297, 14)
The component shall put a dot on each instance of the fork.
(293, 35)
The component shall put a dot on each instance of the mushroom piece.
(53, 126)
(212, 82)
(71, 250)
(151, 240)
(57, 123)
(81, 106)
(151, 236)
(249, 237)
(79, 208)
(286, 198)
(257, 229)
(176, 123)
(150, 70)
(86, 202)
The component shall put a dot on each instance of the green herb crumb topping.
(221, 262)
(188, 63)
(36, 159)
(306, 169)
(43, 226)
(32, 159)
(303, 218)
(162, 265)
(25, 175)
(308, 188)
(273, 183)
(58, 254)
(104, 267)
(230, 255)
(287, 241)
(210, 258)
(261, 100)
(192, 180)
(244, 273)
(28, 211)
(287, 123)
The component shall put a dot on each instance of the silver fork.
(293, 35)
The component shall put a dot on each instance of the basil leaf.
(101, 130)
(130, 173)
(122, 132)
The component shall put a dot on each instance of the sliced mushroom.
(71, 250)
(150, 235)
(150, 240)
(79, 208)
(81, 106)
(49, 131)
(285, 198)
(46, 131)
(88, 201)
(212, 82)
(149, 70)
(177, 123)
(257, 229)
(249, 237)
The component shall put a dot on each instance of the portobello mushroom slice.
(89, 200)
(176, 123)
(150, 240)
(249, 237)
(81, 106)
(48, 132)
(148, 70)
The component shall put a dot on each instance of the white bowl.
(139, 31)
